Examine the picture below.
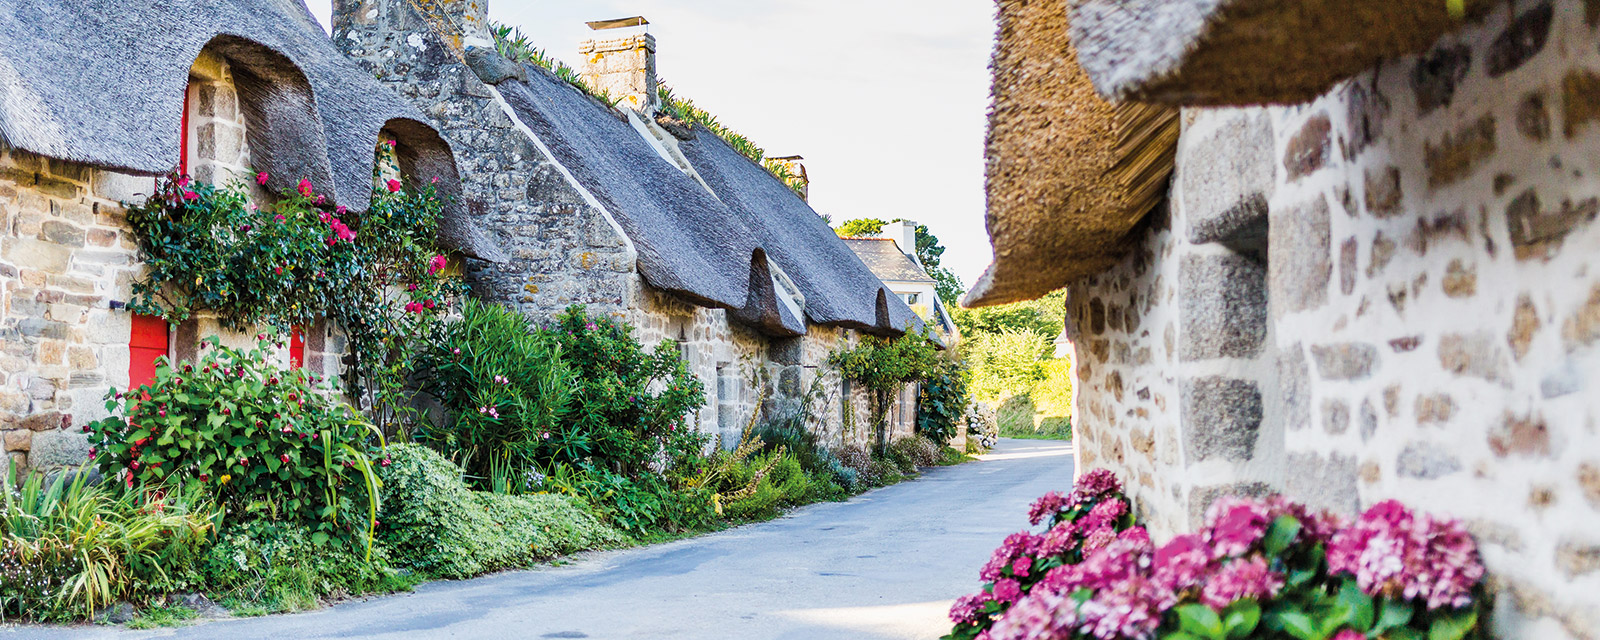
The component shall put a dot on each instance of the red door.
(147, 343)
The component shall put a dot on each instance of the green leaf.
(1240, 619)
(1453, 625)
(1200, 620)
(1360, 605)
(1281, 534)
(1393, 613)
(1298, 624)
(1180, 635)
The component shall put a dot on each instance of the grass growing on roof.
(686, 110)
(514, 45)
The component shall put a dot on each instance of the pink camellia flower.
(183, 180)
(190, 195)
(391, 143)
(394, 185)
(427, 303)
(279, 218)
(437, 264)
(321, 198)
(277, 271)
(1240, 579)
(433, 180)
(304, 187)
(261, 178)
(1047, 506)
(1349, 634)
(411, 287)
(284, 458)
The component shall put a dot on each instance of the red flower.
(183, 181)
(391, 143)
(190, 195)
(427, 303)
(261, 178)
(284, 458)
(277, 270)
(437, 264)
(394, 186)
(278, 217)
(304, 187)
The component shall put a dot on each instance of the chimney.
(904, 233)
(622, 65)
(796, 168)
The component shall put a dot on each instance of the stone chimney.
(796, 167)
(904, 233)
(624, 64)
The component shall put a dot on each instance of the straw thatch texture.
(838, 288)
(101, 83)
(1069, 174)
(1235, 52)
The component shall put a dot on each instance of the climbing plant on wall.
(883, 365)
(377, 275)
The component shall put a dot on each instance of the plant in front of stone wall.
(1259, 568)
(631, 405)
(377, 275)
(266, 443)
(942, 405)
(70, 547)
(884, 365)
(506, 392)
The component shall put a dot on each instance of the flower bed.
(1268, 568)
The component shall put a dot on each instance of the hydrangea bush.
(1259, 568)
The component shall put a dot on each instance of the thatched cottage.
(632, 213)
(554, 199)
(1380, 283)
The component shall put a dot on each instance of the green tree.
(1006, 364)
(1043, 316)
(860, 228)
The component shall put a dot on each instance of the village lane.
(884, 565)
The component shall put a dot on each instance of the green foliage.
(681, 108)
(1044, 316)
(434, 524)
(1007, 364)
(910, 452)
(873, 471)
(792, 435)
(643, 505)
(942, 408)
(69, 548)
(1053, 394)
(376, 275)
(259, 439)
(159, 617)
(860, 228)
(512, 44)
(883, 364)
(506, 392)
(629, 403)
(283, 566)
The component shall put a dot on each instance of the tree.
(1043, 316)
(860, 228)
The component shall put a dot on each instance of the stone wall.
(563, 251)
(1422, 324)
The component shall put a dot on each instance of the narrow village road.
(885, 565)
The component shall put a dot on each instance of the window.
(911, 298)
(146, 343)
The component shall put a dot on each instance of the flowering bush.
(376, 274)
(630, 404)
(255, 437)
(1266, 568)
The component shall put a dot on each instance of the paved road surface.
(885, 565)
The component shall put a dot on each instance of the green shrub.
(256, 437)
(778, 481)
(911, 452)
(1053, 395)
(630, 404)
(942, 407)
(280, 566)
(505, 391)
(1006, 364)
(69, 548)
(433, 524)
(792, 435)
(644, 504)
(1015, 416)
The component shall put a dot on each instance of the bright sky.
(884, 98)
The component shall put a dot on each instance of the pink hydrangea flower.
(1394, 552)
(1059, 540)
(968, 608)
(1349, 634)
(1182, 563)
(1007, 591)
(1103, 515)
(1235, 524)
(1095, 485)
(1047, 506)
(1239, 579)
(1016, 545)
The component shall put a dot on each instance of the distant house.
(892, 257)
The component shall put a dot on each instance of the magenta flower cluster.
(1394, 552)
(1092, 575)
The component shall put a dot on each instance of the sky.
(885, 99)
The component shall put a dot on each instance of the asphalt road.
(884, 565)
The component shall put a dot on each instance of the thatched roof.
(101, 83)
(1233, 52)
(884, 257)
(688, 242)
(1069, 174)
(838, 288)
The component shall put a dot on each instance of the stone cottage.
(1344, 251)
(892, 257)
(632, 213)
(98, 97)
